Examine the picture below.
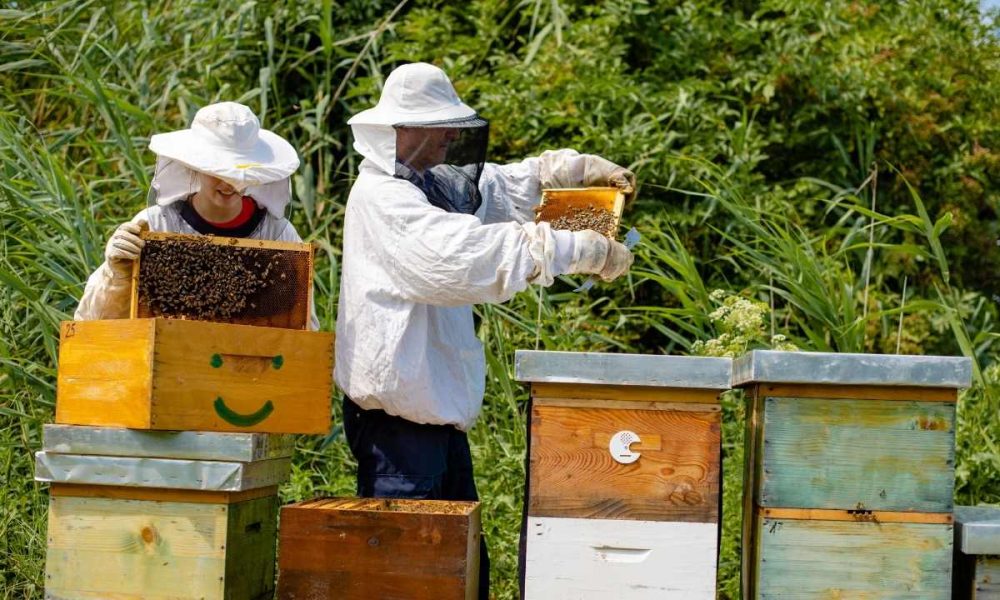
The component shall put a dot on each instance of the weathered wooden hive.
(849, 475)
(977, 553)
(623, 475)
(366, 548)
(149, 514)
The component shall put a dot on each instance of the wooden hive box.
(173, 374)
(623, 474)
(977, 553)
(111, 535)
(365, 548)
(566, 202)
(849, 474)
(285, 301)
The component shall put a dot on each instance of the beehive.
(173, 374)
(210, 535)
(849, 474)
(977, 553)
(364, 548)
(574, 208)
(282, 298)
(623, 474)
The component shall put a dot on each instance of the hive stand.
(849, 474)
(977, 553)
(367, 548)
(116, 531)
(623, 476)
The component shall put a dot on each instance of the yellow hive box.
(194, 376)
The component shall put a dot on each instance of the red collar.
(246, 213)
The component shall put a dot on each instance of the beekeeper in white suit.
(224, 176)
(431, 229)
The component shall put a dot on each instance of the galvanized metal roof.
(771, 366)
(977, 529)
(652, 370)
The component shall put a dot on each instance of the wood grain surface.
(837, 559)
(883, 455)
(349, 552)
(572, 472)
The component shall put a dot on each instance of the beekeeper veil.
(420, 131)
(225, 140)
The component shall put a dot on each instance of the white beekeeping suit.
(226, 142)
(419, 250)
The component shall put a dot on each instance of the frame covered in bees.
(576, 209)
(226, 280)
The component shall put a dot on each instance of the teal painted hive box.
(849, 474)
(977, 553)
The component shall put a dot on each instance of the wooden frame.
(557, 201)
(299, 321)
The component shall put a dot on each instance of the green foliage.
(830, 166)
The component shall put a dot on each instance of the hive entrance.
(228, 280)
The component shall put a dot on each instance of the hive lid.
(772, 366)
(654, 370)
(977, 529)
(203, 475)
(194, 445)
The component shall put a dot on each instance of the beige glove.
(597, 255)
(124, 247)
(598, 171)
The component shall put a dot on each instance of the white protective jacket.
(406, 341)
(107, 296)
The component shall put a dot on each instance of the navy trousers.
(402, 459)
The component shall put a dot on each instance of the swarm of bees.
(588, 217)
(196, 279)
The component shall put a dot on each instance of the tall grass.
(84, 84)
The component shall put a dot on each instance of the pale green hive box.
(849, 474)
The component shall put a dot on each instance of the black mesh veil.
(445, 160)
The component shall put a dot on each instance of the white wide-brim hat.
(225, 140)
(418, 94)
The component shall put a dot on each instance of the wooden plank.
(158, 494)
(987, 580)
(858, 454)
(572, 472)
(619, 404)
(250, 547)
(603, 559)
(105, 375)
(135, 549)
(856, 392)
(623, 393)
(752, 450)
(837, 559)
(230, 241)
(863, 516)
(290, 371)
(336, 550)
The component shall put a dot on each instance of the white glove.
(124, 247)
(599, 172)
(597, 255)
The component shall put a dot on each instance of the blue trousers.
(402, 459)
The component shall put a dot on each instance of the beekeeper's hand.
(600, 172)
(124, 247)
(597, 255)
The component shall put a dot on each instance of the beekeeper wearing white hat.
(431, 229)
(224, 176)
